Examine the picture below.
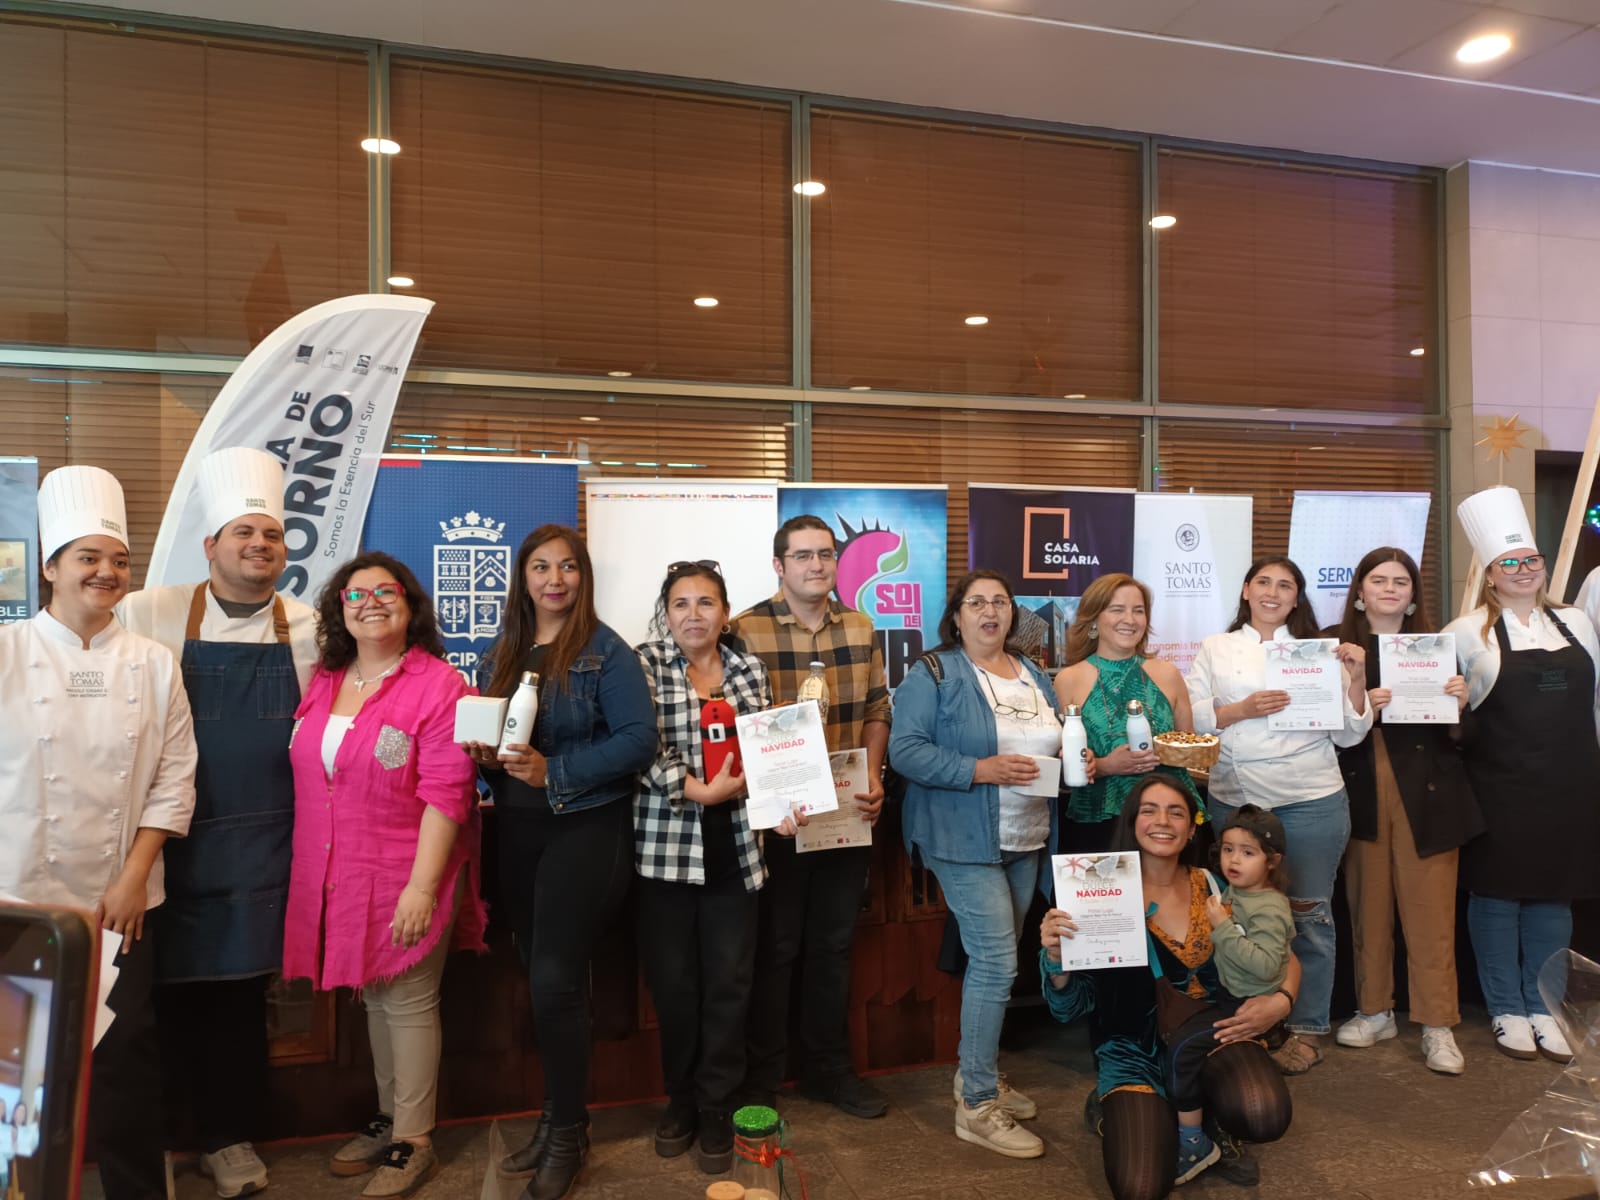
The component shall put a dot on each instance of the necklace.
(363, 684)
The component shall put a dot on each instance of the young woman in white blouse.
(1293, 773)
(1533, 759)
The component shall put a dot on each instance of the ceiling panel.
(1148, 16)
(1529, 36)
(1584, 12)
(1571, 66)
(1259, 23)
(1374, 31)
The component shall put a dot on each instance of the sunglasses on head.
(710, 564)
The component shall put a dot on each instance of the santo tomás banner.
(892, 558)
(456, 521)
(317, 393)
(1051, 543)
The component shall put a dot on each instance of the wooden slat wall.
(1270, 462)
(925, 223)
(567, 226)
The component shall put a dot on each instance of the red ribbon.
(766, 1155)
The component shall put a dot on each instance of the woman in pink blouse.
(386, 837)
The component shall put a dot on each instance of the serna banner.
(1191, 551)
(1330, 532)
(318, 393)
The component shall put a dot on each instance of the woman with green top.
(1109, 664)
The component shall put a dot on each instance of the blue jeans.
(1316, 831)
(1511, 939)
(990, 901)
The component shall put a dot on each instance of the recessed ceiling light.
(1483, 49)
(705, 301)
(401, 281)
(1075, 396)
(1418, 352)
(620, 374)
(977, 320)
(375, 145)
(860, 387)
(1164, 221)
(810, 187)
(590, 419)
(1316, 447)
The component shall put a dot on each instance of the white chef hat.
(1496, 523)
(76, 502)
(239, 481)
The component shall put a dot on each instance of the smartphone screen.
(44, 981)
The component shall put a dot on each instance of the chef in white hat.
(1533, 757)
(246, 652)
(97, 763)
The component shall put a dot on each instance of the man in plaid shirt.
(810, 902)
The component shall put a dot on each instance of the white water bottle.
(1074, 747)
(521, 712)
(815, 687)
(1140, 739)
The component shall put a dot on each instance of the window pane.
(228, 195)
(1270, 462)
(887, 444)
(568, 226)
(1287, 285)
(925, 224)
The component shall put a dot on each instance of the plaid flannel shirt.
(666, 825)
(846, 645)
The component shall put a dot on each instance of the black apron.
(228, 880)
(1534, 763)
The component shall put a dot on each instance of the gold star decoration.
(1502, 438)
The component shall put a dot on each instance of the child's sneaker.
(1195, 1154)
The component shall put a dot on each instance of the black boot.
(522, 1163)
(716, 1140)
(564, 1156)
(676, 1129)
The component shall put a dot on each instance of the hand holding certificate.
(845, 826)
(1104, 893)
(1415, 668)
(1308, 671)
(786, 768)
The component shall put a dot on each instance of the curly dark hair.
(949, 633)
(336, 647)
(687, 570)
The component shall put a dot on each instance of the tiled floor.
(1369, 1125)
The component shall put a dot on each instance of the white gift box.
(479, 718)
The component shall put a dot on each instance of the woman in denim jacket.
(969, 721)
(564, 819)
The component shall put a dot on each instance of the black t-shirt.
(511, 792)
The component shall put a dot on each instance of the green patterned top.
(1105, 719)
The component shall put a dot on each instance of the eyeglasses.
(1531, 563)
(710, 564)
(1009, 712)
(804, 556)
(975, 604)
(384, 593)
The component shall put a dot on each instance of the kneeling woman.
(1243, 1091)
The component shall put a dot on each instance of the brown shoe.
(1297, 1055)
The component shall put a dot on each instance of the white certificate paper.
(845, 826)
(1104, 896)
(1308, 671)
(1415, 667)
(785, 754)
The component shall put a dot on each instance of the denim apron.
(228, 880)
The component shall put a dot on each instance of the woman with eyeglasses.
(563, 821)
(974, 724)
(386, 834)
(698, 859)
(1108, 665)
(1533, 758)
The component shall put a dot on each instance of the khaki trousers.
(1382, 874)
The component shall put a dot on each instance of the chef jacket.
(163, 614)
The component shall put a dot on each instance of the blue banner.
(19, 539)
(457, 522)
(891, 558)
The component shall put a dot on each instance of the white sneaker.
(1552, 1044)
(1363, 1030)
(1440, 1052)
(236, 1170)
(1513, 1036)
(1018, 1105)
(992, 1126)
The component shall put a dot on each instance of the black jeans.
(125, 1113)
(808, 914)
(698, 942)
(214, 1055)
(562, 877)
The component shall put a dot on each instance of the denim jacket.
(940, 732)
(597, 733)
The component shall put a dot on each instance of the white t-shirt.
(1024, 724)
(332, 738)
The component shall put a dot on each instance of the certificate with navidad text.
(786, 768)
(1104, 896)
(845, 826)
(1414, 667)
(1307, 669)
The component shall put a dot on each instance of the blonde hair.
(1492, 608)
